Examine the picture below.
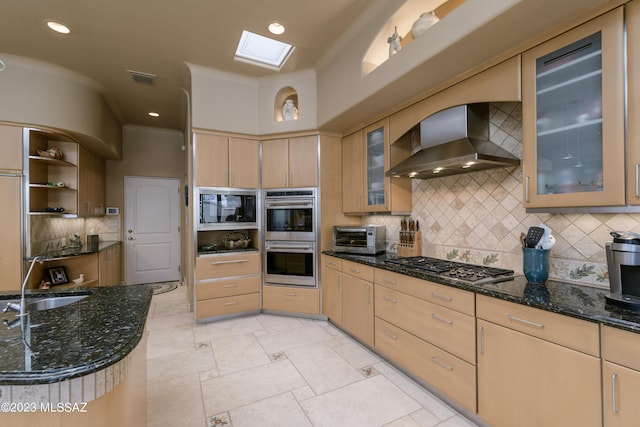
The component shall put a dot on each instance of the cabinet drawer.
(287, 298)
(360, 271)
(447, 373)
(331, 262)
(446, 296)
(229, 305)
(447, 329)
(564, 330)
(216, 266)
(218, 288)
(621, 347)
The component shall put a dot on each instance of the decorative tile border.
(84, 389)
(220, 420)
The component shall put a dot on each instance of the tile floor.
(266, 370)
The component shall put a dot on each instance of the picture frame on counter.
(57, 275)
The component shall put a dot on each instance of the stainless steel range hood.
(454, 141)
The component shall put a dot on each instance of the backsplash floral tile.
(478, 217)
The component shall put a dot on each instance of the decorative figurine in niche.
(394, 42)
(289, 110)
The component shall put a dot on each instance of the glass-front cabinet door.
(376, 186)
(573, 123)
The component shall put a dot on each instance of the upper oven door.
(290, 219)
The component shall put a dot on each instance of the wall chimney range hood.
(454, 141)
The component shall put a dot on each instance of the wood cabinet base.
(291, 299)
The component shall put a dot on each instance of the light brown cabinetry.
(357, 301)
(632, 17)
(573, 117)
(621, 377)
(227, 284)
(91, 184)
(365, 159)
(109, 266)
(11, 232)
(226, 162)
(291, 299)
(430, 339)
(332, 288)
(535, 367)
(291, 162)
(12, 151)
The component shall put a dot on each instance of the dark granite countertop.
(70, 252)
(75, 340)
(583, 302)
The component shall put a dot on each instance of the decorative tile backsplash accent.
(478, 217)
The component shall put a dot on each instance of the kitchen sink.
(47, 303)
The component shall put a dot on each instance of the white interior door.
(152, 233)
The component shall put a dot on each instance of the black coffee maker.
(623, 261)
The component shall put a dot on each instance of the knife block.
(410, 243)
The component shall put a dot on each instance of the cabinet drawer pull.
(442, 297)
(614, 392)
(368, 295)
(231, 303)
(392, 282)
(231, 285)
(355, 270)
(637, 183)
(526, 189)
(392, 300)
(526, 322)
(390, 335)
(441, 363)
(234, 261)
(481, 339)
(289, 294)
(441, 319)
(332, 263)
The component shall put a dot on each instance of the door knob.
(129, 231)
(129, 238)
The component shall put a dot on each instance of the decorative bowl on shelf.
(236, 240)
(52, 153)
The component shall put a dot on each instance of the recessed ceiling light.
(154, 114)
(262, 51)
(276, 28)
(58, 27)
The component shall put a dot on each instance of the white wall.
(40, 94)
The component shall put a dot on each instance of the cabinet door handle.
(526, 322)
(614, 392)
(390, 335)
(526, 189)
(637, 184)
(231, 180)
(332, 263)
(355, 270)
(390, 281)
(369, 295)
(442, 297)
(441, 319)
(289, 294)
(231, 303)
(235, 261)
(441, 363)
(231, 285)
(481, 339)
(290, 179)
(392, 300)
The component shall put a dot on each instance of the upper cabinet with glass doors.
(573, 117)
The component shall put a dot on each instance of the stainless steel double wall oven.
(291, 233)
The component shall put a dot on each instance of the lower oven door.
(290, 263)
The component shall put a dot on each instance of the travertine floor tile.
(177, 402)
(277, 411)
(298, 337)
(179, 365)
(237, 353)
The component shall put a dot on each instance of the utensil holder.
(410, 243)
(535, 265)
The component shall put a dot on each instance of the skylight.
(262, 51)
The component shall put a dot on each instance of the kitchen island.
(89, 359)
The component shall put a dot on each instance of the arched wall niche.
(283, 94)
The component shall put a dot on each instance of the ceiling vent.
(143, 78)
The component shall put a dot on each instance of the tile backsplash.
(478, 217)
(51, 233)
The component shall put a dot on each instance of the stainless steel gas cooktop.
(467, 273)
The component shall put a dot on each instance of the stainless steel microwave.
(227, 209)
(359, 239)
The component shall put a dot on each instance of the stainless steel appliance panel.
(227, 209)
(290, 263)
(290, 215)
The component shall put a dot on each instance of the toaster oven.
(362, 239)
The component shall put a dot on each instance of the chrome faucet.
(22, 308)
